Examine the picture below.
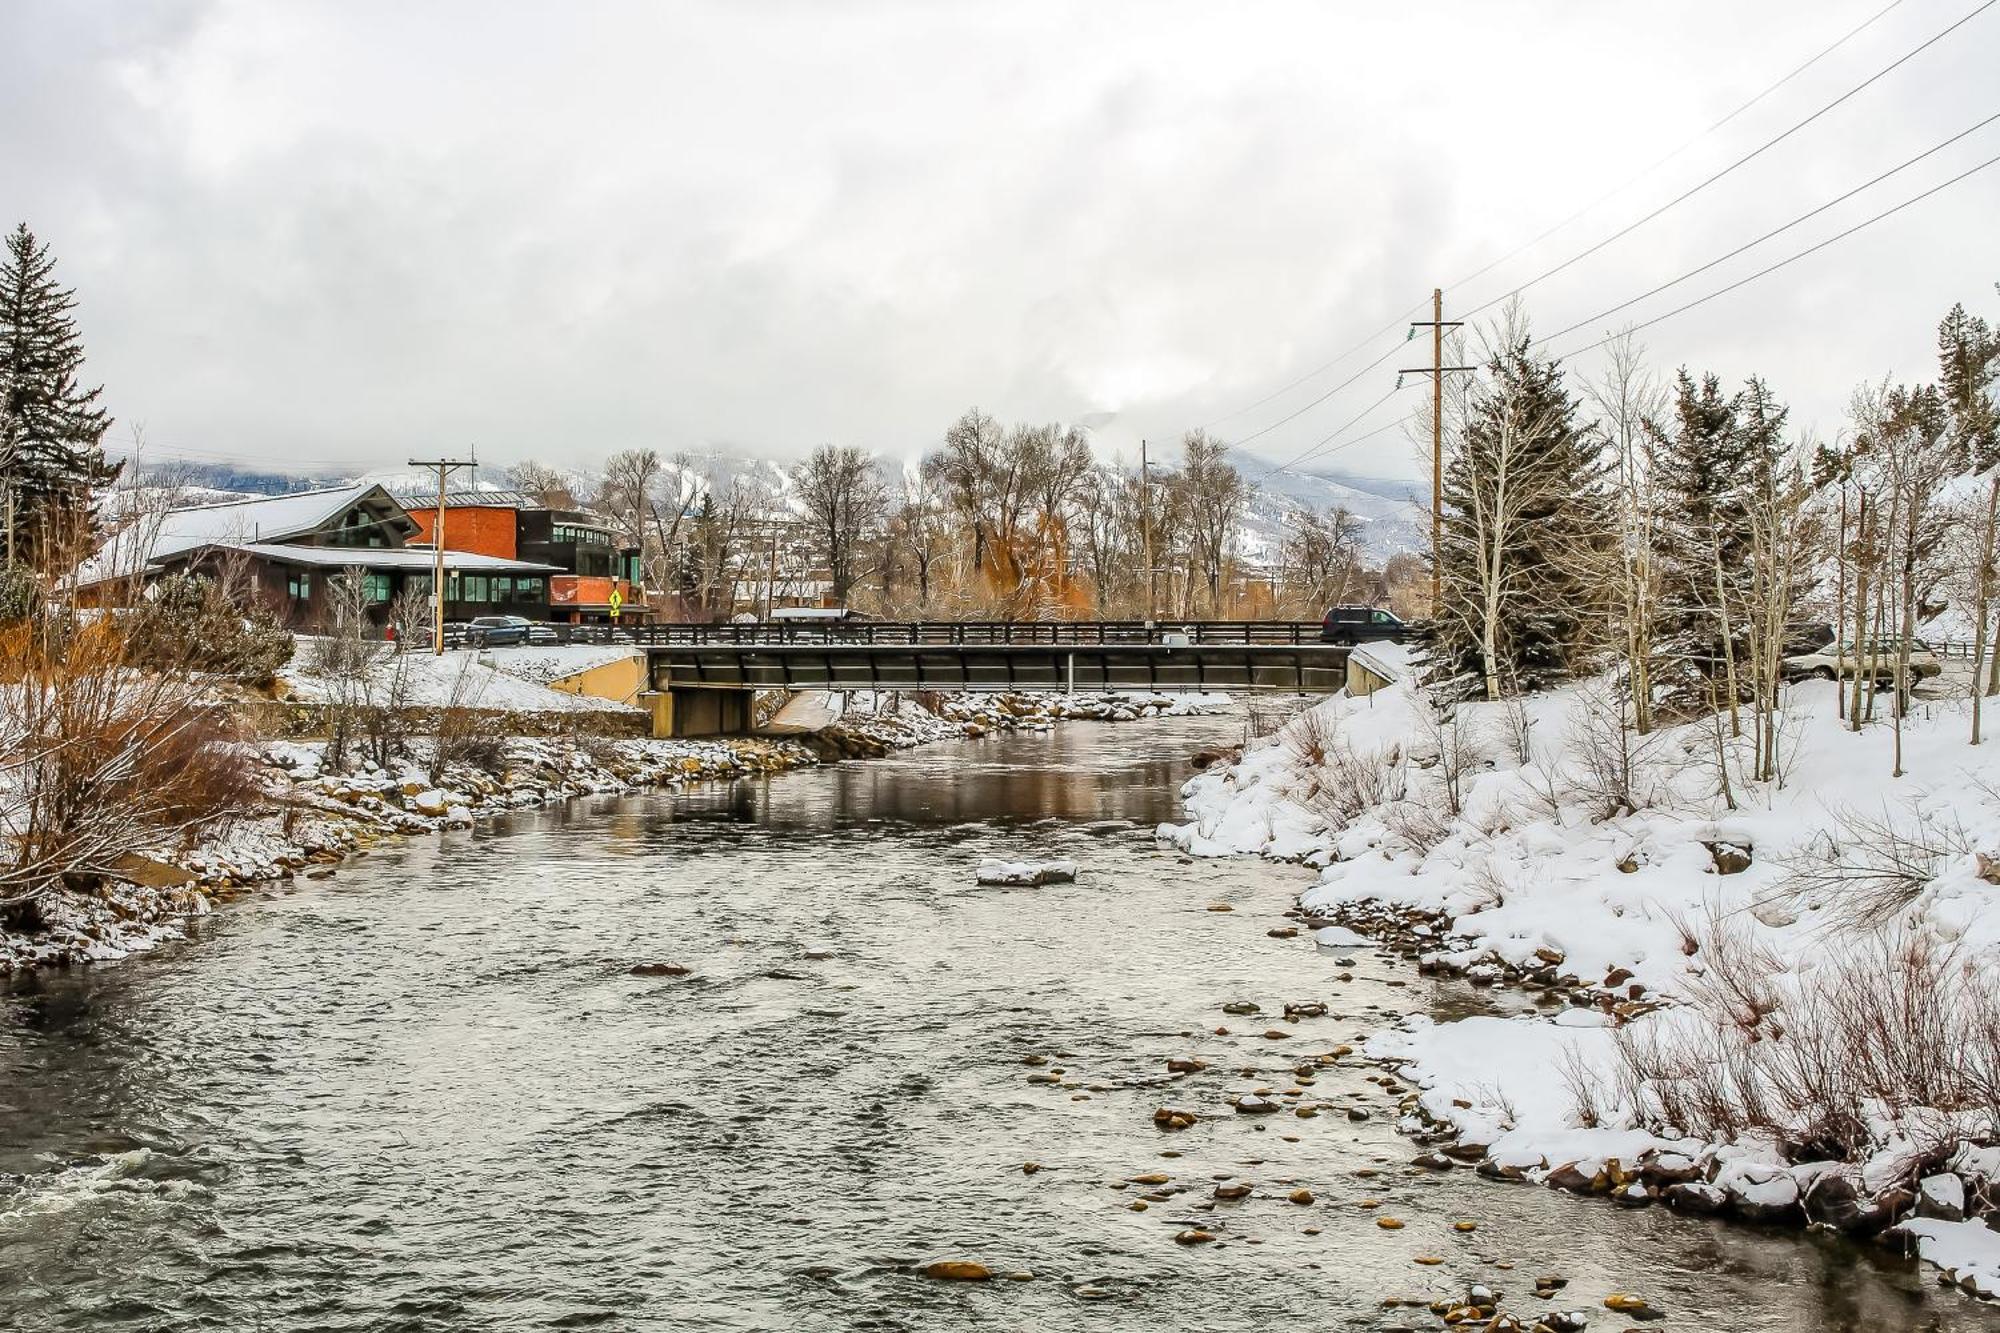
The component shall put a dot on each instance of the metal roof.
(371, 557)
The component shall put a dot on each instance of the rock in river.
(1026, 874)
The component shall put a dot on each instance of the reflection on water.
(429, 1095)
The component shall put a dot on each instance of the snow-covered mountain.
(1394, 514)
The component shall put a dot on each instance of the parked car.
(498, 631)
(1842, 660)
(1362, 624)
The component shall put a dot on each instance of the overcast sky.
(323, 235)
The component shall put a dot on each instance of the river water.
(427, 1094)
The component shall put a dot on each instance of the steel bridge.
(704, 676)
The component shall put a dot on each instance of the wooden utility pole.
(1437, 370)
(1146, 523)
(444, 467)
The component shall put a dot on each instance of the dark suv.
(1361, 624)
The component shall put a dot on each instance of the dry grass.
(1893, 1020)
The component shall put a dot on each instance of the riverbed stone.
(957, 1270)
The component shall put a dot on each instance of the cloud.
(331, 234)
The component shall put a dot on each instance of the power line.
(1321, 370)
(1293, 416)
(1775, 231)
(1765, 92)
(1334, 434)
(1824, 52)
(1750, 156)
(1789, 259)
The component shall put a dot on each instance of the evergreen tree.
(51, 428)
(1526, 521)
(1969, 366)
(1704, 476)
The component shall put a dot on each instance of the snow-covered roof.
(269, 518)
(372, 557)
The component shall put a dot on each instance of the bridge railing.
(909, 632)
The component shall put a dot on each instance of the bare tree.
(1212, 495)
(844, 499)
(1626, 397)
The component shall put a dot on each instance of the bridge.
(704, 676)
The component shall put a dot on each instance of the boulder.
(1026, 874)
(1941, 1197)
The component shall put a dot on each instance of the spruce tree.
(1703, 474)
(1968, 369)
(1525, 523)
(51, 428)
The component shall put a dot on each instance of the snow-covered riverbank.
(313, 818)
(1782, 1010)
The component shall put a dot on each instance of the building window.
(503, 588)
(376, 588)
(529, 588)
(476, 588)
(299, 585)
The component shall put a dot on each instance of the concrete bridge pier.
(699, 710)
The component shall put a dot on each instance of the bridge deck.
(1291, 668)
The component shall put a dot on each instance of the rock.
(1433, 1161)
(659, 970)
(1220, 907)
(1834, 1200)
(1240, 1007)
(1730, 858)
(1389, 1223)
(1571, 1179)
(1171, 1118)
(1185, 1064)
(1355, 1113)
(1252, 1104)
(1694, 1197)
(1941, 1197)
(1025, 874)
(1633, 1195)
(1030, 1168)
(1194, 1236)
(957, 1270)
(1624, 1302)
(1300, 1196)
(1237, 1190)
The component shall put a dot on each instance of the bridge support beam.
(699, 711)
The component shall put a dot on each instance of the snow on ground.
(555, 661)
(505, 680)
(1522, 871)
(1613, 915)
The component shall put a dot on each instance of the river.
(427, 1093)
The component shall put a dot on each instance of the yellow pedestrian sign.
(617, 601)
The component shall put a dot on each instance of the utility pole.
(444, 467)
(1146, 524)
(1437, 370)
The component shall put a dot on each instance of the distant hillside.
(1394, 512)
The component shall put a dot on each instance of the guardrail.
(904, 632)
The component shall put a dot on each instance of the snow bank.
(1493, 846)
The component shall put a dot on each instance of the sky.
(334, 236)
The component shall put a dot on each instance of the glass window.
(419, 585)
(1379, 617)
(529, 587)
(503, 587)
(375, 587)
(476, 588)
(298, 583)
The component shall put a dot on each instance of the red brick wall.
(480, 531)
